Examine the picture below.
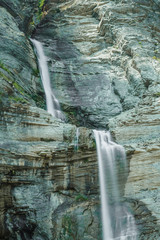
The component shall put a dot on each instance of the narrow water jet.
(76, 139)
(53, 106)
(117, 221)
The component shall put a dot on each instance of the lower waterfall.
(117, 222)
(53, 106)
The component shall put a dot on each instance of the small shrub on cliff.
(40, 8)
(81, 197)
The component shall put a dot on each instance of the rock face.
(19, 76)
(22, 11)
(103, 58)
(103, 55)
(43, 175)
(138, 130)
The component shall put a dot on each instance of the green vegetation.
(6, 77)
(94, 144)
(40, 9)
(67, 222)
(4, 67)
(41, 12)
(69, 226)
(36, 72)
(18, 99)
(156, 94)
(156, 58)
(19, 88)
(81, 197)
(10, 78)
(85, 160)
(41, 4)
(39, 100)
(32, 23)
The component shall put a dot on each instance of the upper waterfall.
(53, 106)
(117, 222)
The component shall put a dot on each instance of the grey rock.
(138, 130)
(99, 56)
(19, 76)
(103, 58)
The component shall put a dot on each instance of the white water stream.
(117, 222)
(53, 106)
(76, 139)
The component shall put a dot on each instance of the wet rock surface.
(103, 55)
(103, 58)
(43, 173)
(19, 76)
(138, 130)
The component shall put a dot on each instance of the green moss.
(81, 197)
(39, 100)
(32, 23)
(18, 87)
(4, 67)
(10, 79)
(66, 224)
(156, 94)
(41, 3)
(85, 160)
(6, 77)
(1, 95)
(40, 9)
(18, 99)
(69, 226)
(35, 72)
(94, 144)
(156, 58)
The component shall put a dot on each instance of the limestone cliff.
(104, 55)
(103, 58)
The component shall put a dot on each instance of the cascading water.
(117, 222)
(53, 106)
(76, 139)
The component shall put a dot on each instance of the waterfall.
(53, 106)
(76, 139)
(117, 222)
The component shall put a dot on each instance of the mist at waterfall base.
(53, 106)
(117, 221)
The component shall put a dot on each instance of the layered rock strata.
(138, 130)
(19, 75)
(43, 175)
(103, 58)
(103, 55)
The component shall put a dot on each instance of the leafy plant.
(81, 197)
(40, 9)
(41, 4)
